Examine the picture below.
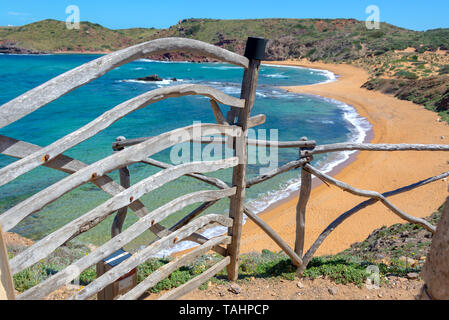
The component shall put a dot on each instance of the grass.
(350, 266)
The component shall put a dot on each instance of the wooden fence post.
(6, 281)
(304, 195)
(255, 52)
(125, 182)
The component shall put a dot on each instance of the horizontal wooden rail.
(15, 169)
(70, 80)
(197, 281)
(332, 226)
(47, 245)
(164, 271)
(144, 254)
(285, 168)
(137, 153)
(70, 273)
(337, 147)
(370, 194)
(314, 149)
(219, 140)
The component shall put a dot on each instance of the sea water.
(292, 115)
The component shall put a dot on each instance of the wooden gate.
(124, 196)
(234, 129)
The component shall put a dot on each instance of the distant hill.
(409, 64)
(315, 39)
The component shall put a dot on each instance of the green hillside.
(316, 39)
(418, 74)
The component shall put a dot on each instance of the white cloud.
(13, 13)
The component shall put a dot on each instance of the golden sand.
(394, 121)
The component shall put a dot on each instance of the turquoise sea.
(293, 115)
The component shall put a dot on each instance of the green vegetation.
(318, 39)
(384, 248)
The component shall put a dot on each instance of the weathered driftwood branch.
(197, 281)
(236, 206)
(304, 195)
(44, 247)
(252, 122)
(274, 236)
(331, 227)
(71, 272)
(134, 154)
(68, 81)
(209, 180)
(164, 271)
(19, 149)
(6, 281)
(370, 194)
(337, 147)
(36, 159)
(143, 255)
(285, 168)
(125, 182)
(219, 117)
(192, 215)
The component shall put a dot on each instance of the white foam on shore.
(328, 74)
(164, 82)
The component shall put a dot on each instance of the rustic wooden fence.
(234, 126)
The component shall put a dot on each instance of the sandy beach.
(394, 121)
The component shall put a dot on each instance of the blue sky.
(411, 14)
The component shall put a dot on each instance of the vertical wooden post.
(6, 281)
(125, 182)
(255, 50)
(304, 195)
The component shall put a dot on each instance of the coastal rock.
(333, 291)
(412, 276)
(153, 77)
(235, 289)
(408, 261)
(9, 47)
(300, 285)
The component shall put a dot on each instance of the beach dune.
(394, 121)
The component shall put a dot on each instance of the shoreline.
(407, 122)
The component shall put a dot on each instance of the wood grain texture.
(248, 93)
(304, 195)
(144, 254)
(74, 270)
(134, 154)
(197, 281)
(70, 80)
(87, 221)
(125, 182)
(164, 271)
(15, 169)
(338, 147)
(6, 281)
(19, 149)
(267, 176)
